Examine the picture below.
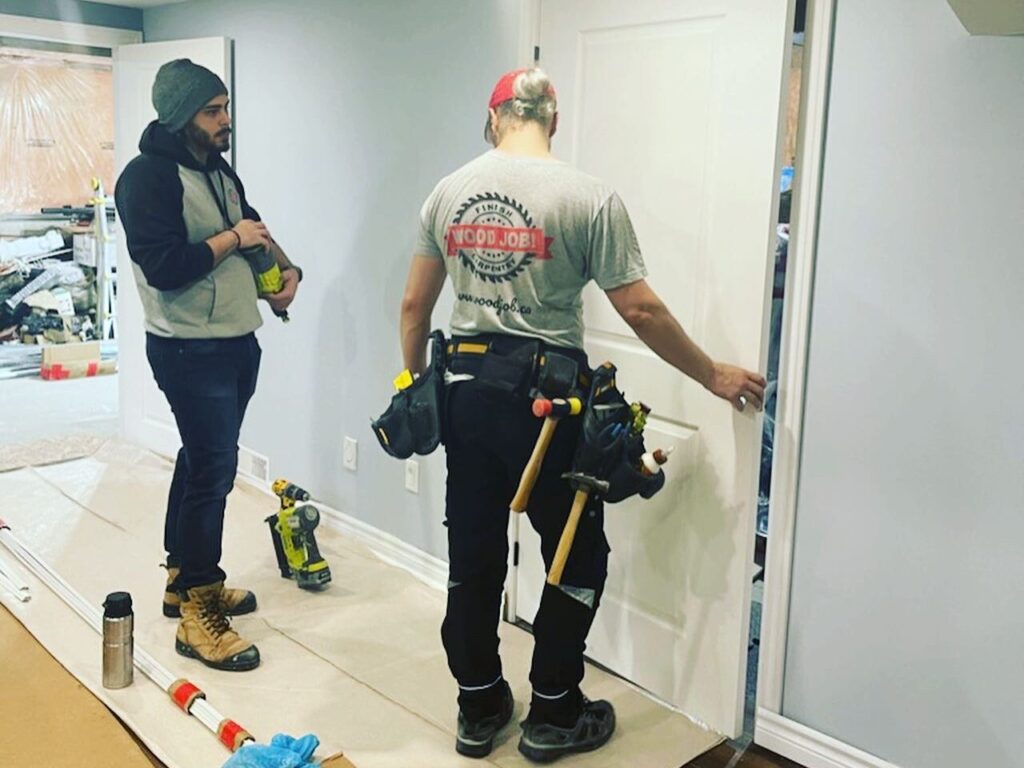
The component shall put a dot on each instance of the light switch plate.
(350, 453)
(412, 476)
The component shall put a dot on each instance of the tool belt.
(414, 420)
(609, 448)
(519, 366)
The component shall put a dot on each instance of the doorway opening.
(778, 284)
(58, 270)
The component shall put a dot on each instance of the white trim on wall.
(807, 746)
(430, 570)
(772, 730)
(66, 32)
(529, 30)
(795, 339)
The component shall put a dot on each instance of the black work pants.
(490, 436)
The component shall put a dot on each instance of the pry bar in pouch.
(413, 422)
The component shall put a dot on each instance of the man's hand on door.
(738, 385)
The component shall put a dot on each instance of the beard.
(218, 142)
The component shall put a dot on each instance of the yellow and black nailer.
(292, 532)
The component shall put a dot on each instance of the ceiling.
(140, 3)
(991, 17)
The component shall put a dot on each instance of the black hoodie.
(169, 204)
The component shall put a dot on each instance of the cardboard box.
(72, 361)
(86, 248)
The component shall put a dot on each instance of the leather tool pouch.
(626, 479)
(608, 449)
(413, 422)
(511, 373)
(558, 375)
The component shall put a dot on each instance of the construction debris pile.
(48, 288)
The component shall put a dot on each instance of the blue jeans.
(208, 384)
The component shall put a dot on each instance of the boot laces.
(213, 614)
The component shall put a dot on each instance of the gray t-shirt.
(520, 238)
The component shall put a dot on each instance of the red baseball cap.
(505, 90)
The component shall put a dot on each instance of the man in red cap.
(520, 234)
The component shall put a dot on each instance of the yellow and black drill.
(291, 530)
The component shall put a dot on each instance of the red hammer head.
(542, 407)
(557, 408)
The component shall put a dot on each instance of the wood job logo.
(493, 235)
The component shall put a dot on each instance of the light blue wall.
(906, 618)
(99, 14)
(348, 112)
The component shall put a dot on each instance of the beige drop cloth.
(360, 665)
(39, 453)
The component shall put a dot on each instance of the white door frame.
(144, 415)
(773, 730)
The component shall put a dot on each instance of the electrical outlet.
(412, 476)
(350, 453)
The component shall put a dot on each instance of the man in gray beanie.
(187, 221)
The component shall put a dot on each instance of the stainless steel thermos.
(118, 645)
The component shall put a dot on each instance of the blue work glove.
(283, 752)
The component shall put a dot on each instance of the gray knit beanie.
(180, 89)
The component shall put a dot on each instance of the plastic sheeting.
(31, 247)
(57, 124)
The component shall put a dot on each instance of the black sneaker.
(543, 742)
(476, 738)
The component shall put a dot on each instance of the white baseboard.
(431, 570)
(808, 747)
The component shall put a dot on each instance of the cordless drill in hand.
(267, 272)
(291, 530)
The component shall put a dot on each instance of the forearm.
(423, 286)
(651, 320)
(223, 244)
(283, 262)
(660, 331)
(415, 329)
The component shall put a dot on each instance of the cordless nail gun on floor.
(292, 532)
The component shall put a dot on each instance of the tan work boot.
(236, 601)
(204, 632)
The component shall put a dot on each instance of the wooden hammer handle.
(532, 469)
(568, 536)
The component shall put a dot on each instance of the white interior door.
(676, 103)
(146, 418)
